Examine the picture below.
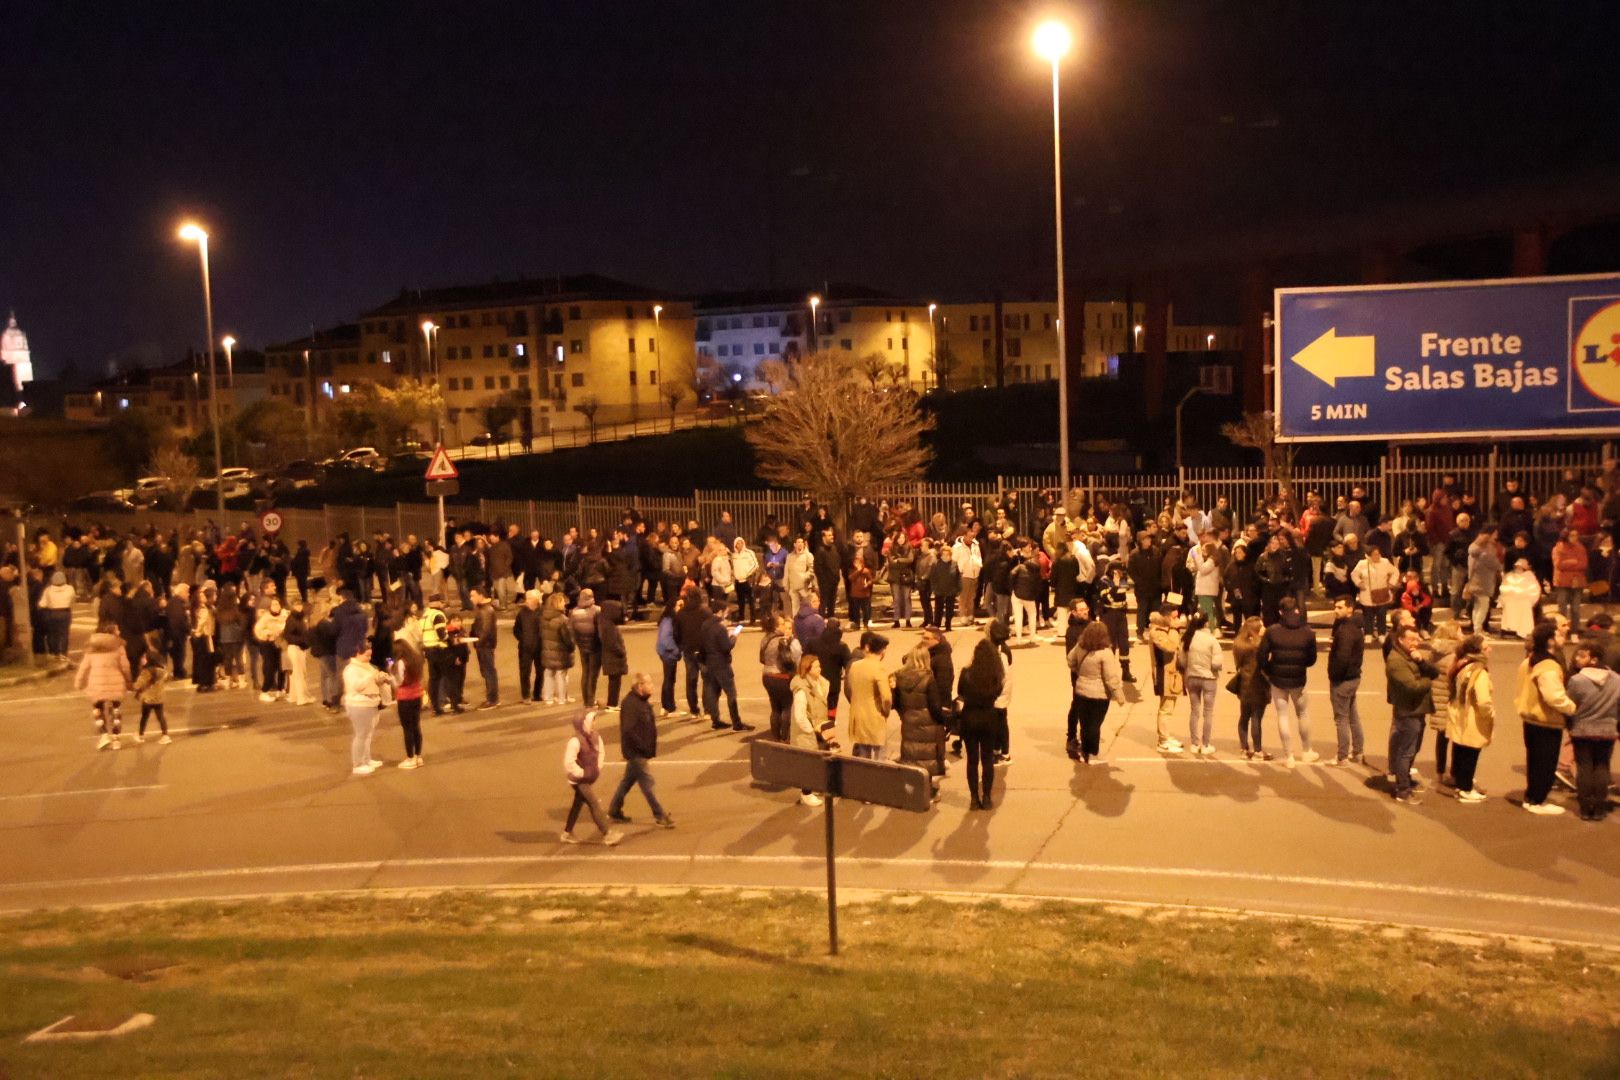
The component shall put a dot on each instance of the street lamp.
(815, 302)
(1209, 341)
(658, 361)
(933, 342)
(1184, 399)
(230, 368)
(309, 411)
(194, 233)
(1052, 42)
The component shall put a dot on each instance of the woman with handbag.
(1250, 685)
(1376, 580)
(810, 728)
(366, 692)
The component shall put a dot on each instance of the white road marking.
(83, 791)
(816, 861)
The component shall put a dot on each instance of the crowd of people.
(363, 623)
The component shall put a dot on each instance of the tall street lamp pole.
(1052, 42)
(933, 345)
(309, 411)
(1188, 396)
(230, 368)
(195, 233)
(810, 341)
(658, 362)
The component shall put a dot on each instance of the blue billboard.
(1450, 359)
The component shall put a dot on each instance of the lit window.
(326, 388)
(522, 349)
(388, 357)
(123, 403)
(344, 389)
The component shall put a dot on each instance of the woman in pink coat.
(104, 676)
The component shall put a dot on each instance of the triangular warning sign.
(441, 467)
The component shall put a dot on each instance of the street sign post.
(442, 479)
(1450, 359)
(886, 783)
(270, 521)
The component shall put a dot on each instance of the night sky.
(339, 151)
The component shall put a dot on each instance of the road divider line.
(372, 866)
(82, 791)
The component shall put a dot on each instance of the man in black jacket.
(689, 620)
(1287, 651)
(829, 567)
(177, 628)
(526, 628)
(1146, 572)
(1344, 679)
(716, 644)
(638, 742)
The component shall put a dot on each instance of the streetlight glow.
(228, 341)
(1052, 41)
(193, 232)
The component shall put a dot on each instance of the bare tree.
(673, 394)
(588, 406)
(774, 374)
(836, 435)
(498, 414)
(181, 469)
(1258, 431)
(877, 369)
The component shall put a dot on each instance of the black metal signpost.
(835, 776)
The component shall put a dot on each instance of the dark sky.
(339, 151)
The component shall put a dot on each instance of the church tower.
(14, 354)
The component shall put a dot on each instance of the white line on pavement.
(83, 791)
(1170, 872)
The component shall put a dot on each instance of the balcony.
(553, 324)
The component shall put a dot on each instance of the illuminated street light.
(191, 232)
(1209, 341)
(1052, 42)
(933, 340)
(230, 368)
(815, 302)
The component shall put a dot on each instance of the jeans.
(637, 770)
(57, 623)
(1482, 613)
(529, 673)
(1464, 760)
(1375, 618)
(860, 611)
(694, 668)
(486, 668)
(981, 763)
(1440, 572)
(1541, 746)
(585, 798)
(666, 692)
(902, 602)
(1406, 735)
(364, 720)
(1146, 604)
(1249, 717)
(945, 611)
(271, 681)
(747, 610)
(1289, 705)
(590, 671)
(505, 591)
(1592, 757)
(1201, 693)
(1569, 602)
(1023, 616)
(554, 686)
(150, 710)
(438, 687)
(715, 680)
(1093, 711)
(331, 687)
(1347, 717)
(410, 722)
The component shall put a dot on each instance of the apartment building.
(311, 372)
(177, 393)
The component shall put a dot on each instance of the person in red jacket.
(1569, 566)
(1418, 600)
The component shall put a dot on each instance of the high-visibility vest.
(433, 627)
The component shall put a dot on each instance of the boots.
(1125, 669)
(1072, 747)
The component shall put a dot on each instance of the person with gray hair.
(638, 742)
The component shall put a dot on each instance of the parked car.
(408, 461)
(237, 481)
(101, 502)
(365, 457)
(487, 438)
(297, 474)
(149, 489)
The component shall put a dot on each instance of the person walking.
(583, 758)
(977, 690)
(1287, 652)
(1470, 715)
(1202, 660)
(1542, 703)
(638, 742)
(1097, 679)
(867, 688)
(104, 677)
(406, 667)
(1410, 673)
(1250, 685)
(366, 692)
(150, 683)
(556, 650)
(1345, 654)
(1595, 690)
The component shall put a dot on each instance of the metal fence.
(1398, 477)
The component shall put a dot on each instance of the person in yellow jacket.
(867, 688)
(1470, 714)
(1543, 704)
(436, 648)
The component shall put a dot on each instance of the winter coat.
(267, 628)
(945, 579)
(582, 621)
(1596, 694)
(610, 639)
(1287, 651)
(715, 642)
(1097, 675)
(1065, 578)
(582, 761)
(638, 732)
(526, 628)
(1407, 687)
(365, 685)
(665, 645)
(1204, 657)
(104, 673)
(1470, 713)
(1445, 657)
(1369, 577)
(922, 720)
(350, 621)
(1541, 699)
(1253, 688)
(153, 679)
(809, 712)
(1166, 642)
(1347, 650)
(556, 640)
(867, 688)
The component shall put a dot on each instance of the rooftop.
(553, 289)
(333, 337)
(832, 293)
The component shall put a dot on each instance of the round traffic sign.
(270, 521)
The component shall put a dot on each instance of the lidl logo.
(1595, 353)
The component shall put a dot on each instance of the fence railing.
(1397, 477)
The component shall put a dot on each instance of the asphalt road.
(257, 798)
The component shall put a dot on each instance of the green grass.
(571, 985)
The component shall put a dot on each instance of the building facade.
(176, 393)
(14, 354)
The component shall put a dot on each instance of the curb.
(27, 678)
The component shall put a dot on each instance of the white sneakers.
(1545, 809)
(810, 798)
(1169, 746)
(568, 838)
(165, 740)
(1310, 757)
(1470, 797)
(104, 742)
(612, 837)
(410, 763)
(363, 770)
(267, 696)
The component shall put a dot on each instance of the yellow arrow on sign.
(1331, 357)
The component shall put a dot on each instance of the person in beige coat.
(1470, 714)
(867, 688)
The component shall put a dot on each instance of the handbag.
(1233, 685)
(1380, 597)
(1174, 599)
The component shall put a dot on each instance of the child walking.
(149, 687)
(103, 676)
(582, 764)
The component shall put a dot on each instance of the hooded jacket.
(1596, 693)
(1470, 713)
(104, 673)
(922, 719)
